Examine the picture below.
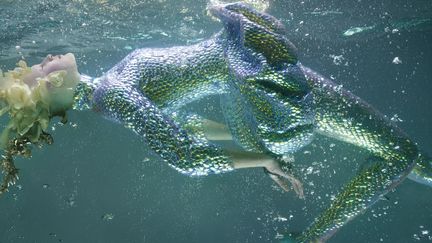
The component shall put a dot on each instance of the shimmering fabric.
(144, 91)
(272, 104)
(164, 79)
(342, 115)
(276, 104)
(268, 106)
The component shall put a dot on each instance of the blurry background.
(100, 183)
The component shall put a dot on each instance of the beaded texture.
(272, 104)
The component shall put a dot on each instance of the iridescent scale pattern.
(272, 104)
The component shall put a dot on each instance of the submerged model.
(273, 106)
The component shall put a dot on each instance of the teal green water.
(99, 182)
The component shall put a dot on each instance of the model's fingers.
(279, 182)
(297, 185)
(277, 174)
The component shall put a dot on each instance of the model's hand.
(281, 178)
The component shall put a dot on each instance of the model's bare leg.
(272, 167)
(215, 131)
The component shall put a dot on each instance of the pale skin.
(215, 131)
(61, 98)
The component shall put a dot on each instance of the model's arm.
(125, 104)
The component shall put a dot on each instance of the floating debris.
(355, 30)
(279, 236)
(325, 12)
(338, 60)
(396, 118)
(280, 219)
(107, 217)
(164, 33)
(396, 60)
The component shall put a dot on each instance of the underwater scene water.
(99, 182)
